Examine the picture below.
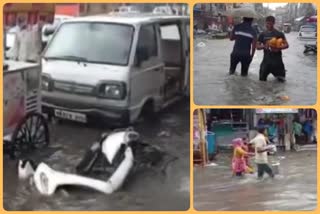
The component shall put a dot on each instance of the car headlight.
(112, 90)
(46, 83)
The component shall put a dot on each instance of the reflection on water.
(213, 85)
(295, 188)
(148, 189)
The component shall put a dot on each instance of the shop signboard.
(277, 111)
(32, 12)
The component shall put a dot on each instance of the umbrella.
(244, 12)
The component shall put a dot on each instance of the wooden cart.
(25, 128)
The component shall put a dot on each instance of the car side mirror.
(49, 31)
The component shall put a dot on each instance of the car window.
(170, 32)
(308, 29)
(96, 42)
(148, 41)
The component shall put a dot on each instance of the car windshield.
(308, 29)
(92, 42)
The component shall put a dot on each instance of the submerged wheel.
(31, 133)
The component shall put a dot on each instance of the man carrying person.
(272, 59)
(244, 48)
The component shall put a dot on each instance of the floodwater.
(148, 189)
(294, 188)
(213, 85)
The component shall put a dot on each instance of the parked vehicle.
(128, 9)
(287, 27)
(308, 32)
(115, 67)
(163, 10)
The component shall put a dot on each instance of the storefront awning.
(277, 111)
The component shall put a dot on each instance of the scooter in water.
(114, 157)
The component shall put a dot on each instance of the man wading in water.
(245, 41)
(261, 154)
(272, 59)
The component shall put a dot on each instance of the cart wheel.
(31, 133)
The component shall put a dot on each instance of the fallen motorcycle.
(114, 156)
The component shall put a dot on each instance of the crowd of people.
(304, 132)
(28, 43)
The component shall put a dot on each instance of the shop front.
(228, 124)
(204, 141)
(282, 125)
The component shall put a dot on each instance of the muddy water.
(213, 85)
(147, 189)
(294, 188)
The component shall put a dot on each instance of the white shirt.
(260, 143)
(27, 45)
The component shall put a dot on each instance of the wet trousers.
(272, 64)
(244, 59)
(262, 168)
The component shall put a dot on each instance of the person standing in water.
(261, 154)
(239, 166)
(246, 148)
(244, 48)
(297, 130)
(272, 59)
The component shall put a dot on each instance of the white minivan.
(115, 68)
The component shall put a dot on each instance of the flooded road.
(147, 190)
(294, 188)
(213, 85)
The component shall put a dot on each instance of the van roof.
(128, 18)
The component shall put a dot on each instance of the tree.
(306, 9)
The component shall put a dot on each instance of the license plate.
(70, 115)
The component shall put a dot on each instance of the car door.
(147, 76)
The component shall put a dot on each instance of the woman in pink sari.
(239, 166)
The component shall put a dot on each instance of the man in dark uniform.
(244, 47)
(272, 59)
